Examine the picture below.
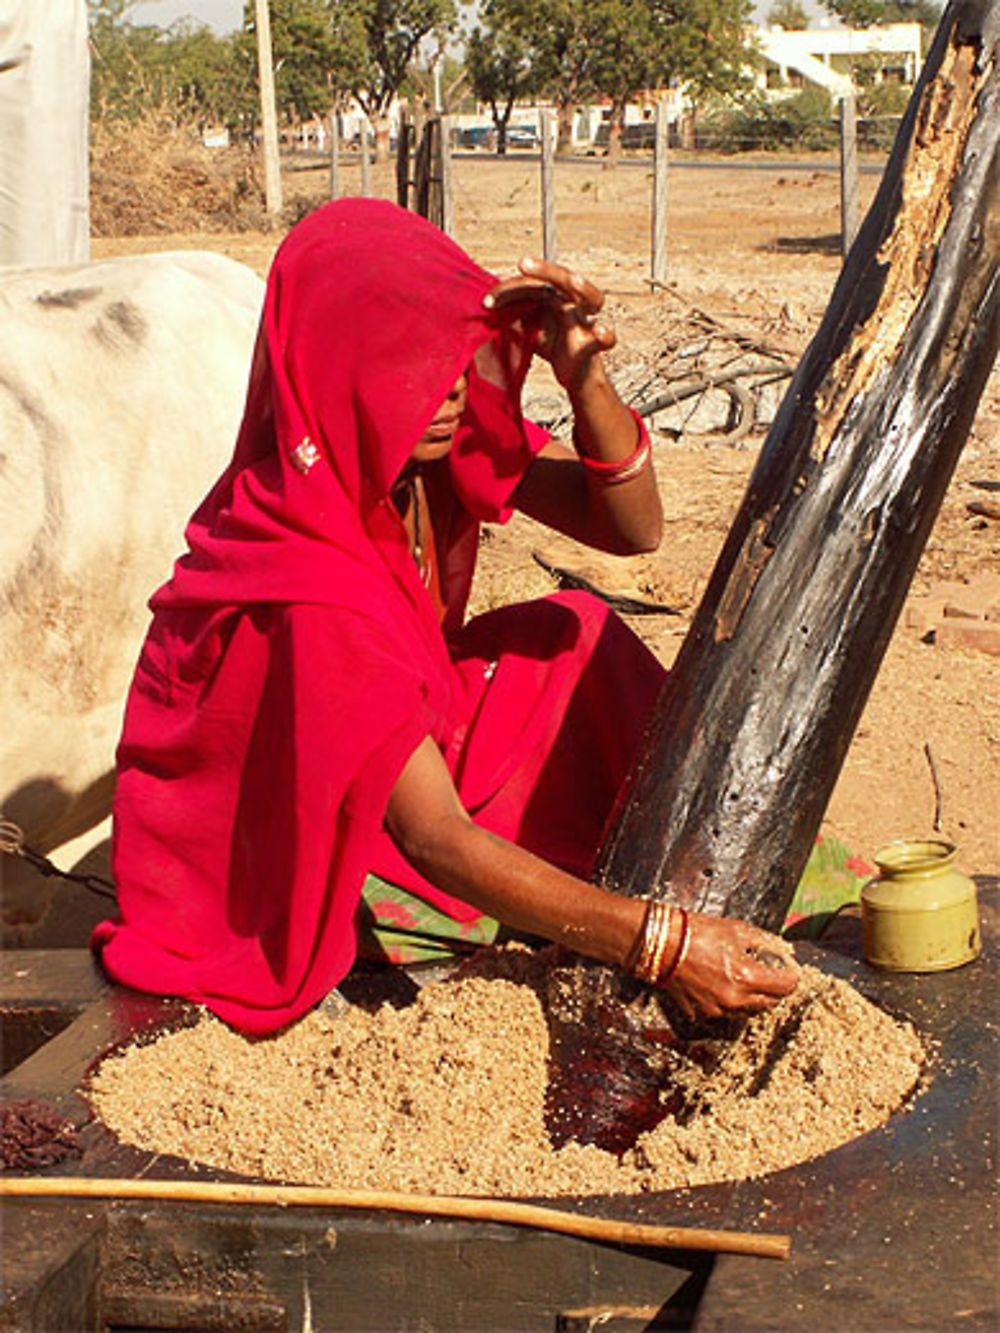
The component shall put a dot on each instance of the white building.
(828, 57)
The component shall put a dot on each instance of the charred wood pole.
(747, 740)
(749, 736)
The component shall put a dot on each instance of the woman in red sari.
(309, 705)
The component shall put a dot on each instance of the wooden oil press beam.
(749, 735)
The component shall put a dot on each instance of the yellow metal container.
(919, 914)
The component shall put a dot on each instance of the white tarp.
(44, 109)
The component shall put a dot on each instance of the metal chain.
(12, 842)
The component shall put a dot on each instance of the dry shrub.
(153, 175)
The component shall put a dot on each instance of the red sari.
(295, 661)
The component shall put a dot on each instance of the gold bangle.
(662, 941)
(656, 935)
(650, 935)
(642, 948)
(682, 948)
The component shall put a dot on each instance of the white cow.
(121, 387)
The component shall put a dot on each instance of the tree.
(304, 54)
(697, 45)
(788, 14)
(501, 72)
(436, 73)
(704, 46)
(208, 75)
(119, 79)
(871, 13)
(614, 49)
(559, 36)
(137, 68)
(385, 36)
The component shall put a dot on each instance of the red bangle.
(678, 957)
(622, 469)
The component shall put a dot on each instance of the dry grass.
(154, 176)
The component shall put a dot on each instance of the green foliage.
(557, 36)
(452, 81)
(788, 14)
(871, 13)
(703, 45)
(136, 69)
(322, 50)
(501, 72)
(883, 99)
(627, 44)
(383, 37)
(304, 52)
(804, 121)
(583, 49)
(879, 109)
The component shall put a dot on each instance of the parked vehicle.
(477, 136)
(522, 136)
(641, 135)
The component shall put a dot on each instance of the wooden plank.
(49, 1272)
(367, 1275)
(41, 992)
(336, 1270)
(64, 978)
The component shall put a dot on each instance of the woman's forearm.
(525, 892)
(724, 968)
(605, 431)
(613, 509)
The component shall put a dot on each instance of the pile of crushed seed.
(448, 1094)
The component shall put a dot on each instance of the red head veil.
(294, 661)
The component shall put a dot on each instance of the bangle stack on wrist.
(622, 469)
(655, 944)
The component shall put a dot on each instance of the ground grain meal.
(448, 1093)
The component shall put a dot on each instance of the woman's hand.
(730, 967)
(570, 330)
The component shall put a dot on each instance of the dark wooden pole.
(334, 154)
(749, 736)
(404, 148)
(443, 172)
(423, 170)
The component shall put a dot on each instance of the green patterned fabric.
(397, 927)
(831, 880)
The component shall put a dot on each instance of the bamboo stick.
(769, 1246)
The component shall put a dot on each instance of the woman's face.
(437, 439)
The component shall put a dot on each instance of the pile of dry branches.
(153, 175)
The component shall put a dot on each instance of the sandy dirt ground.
(752, 258)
